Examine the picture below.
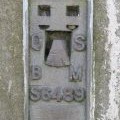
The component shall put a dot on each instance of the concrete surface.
(11, 63)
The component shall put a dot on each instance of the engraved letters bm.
(79, 43)
(36, 72)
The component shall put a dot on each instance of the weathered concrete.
(11, 68)
(107, 59)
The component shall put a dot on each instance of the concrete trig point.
(58, 60)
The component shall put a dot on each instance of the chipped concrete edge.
(114, 52)
(25, 58)
(90, 81)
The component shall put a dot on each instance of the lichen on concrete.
(107, 58)
(114, 53)
(11, 67)
(101, 58)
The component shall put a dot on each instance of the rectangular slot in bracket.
(57, 48)
(72, 10)
(44, 10)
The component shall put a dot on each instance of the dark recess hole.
(73, 10)
(43, 27)
(44, 10)
(57, 35)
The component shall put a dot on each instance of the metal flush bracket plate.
(57, 40)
